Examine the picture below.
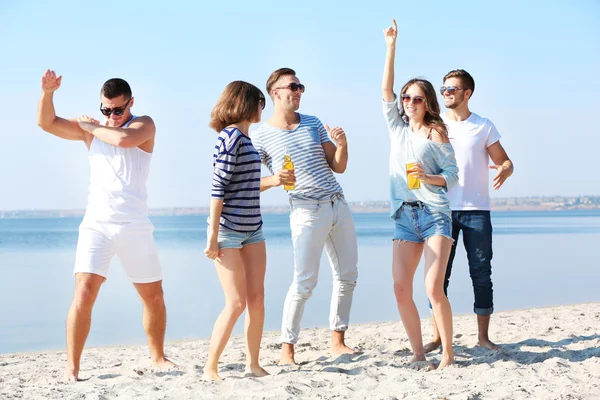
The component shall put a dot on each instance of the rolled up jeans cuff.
(483, 311)
(289, 339)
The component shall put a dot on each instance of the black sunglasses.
(118, 111)
(293, 87)
(415, 99)
(449, 89)
(262, 101)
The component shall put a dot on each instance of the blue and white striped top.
(314, 177)
(236, 180)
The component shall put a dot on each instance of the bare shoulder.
(142, 120)
(439, 137)
(143, 123)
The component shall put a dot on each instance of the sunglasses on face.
(262, 102)
(118, 111)
(406, 98)
(449, 89)
(293, 87)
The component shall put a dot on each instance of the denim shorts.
(416, 221)
(229, 239)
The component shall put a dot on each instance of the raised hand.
(390, 33)
(337, 134)
(50, 82)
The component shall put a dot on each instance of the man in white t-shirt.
(475, 140)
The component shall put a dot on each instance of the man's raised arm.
(47, 119)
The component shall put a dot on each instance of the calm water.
(540, 259)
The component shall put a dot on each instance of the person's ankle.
(338, 338)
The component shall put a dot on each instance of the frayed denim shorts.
(416, 221)
(230, 239)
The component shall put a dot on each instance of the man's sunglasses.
(449, 89)
(293, 87)
(118, 111)
(415, 99)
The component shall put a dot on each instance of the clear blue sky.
(536, 66)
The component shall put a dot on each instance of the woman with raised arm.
(422, 169)
(235, 239)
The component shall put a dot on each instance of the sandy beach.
(547, 353)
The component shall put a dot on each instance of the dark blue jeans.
(476, 227)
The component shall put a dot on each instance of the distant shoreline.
(556, 203)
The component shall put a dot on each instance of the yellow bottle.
(288, 165)
(411, 161)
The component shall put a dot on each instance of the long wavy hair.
(432, 117)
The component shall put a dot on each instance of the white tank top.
(117, 182)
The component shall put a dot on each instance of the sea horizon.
(523, 203)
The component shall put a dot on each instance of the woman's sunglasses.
(118, 111)
(262, 102)
(415, 99)
(293, 87)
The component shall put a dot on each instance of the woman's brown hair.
(432, 117)
(238, 102)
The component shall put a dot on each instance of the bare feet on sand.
(488, 344)
(71, 374)
(287, 354)
(446, 360)
(338, 344)
(418, 358)
(433, 345)
(419, 363)
(256, 371)
(210, 375)
(163, 364)
(337, 349)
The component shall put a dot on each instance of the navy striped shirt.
(236, 180)
(314, 177)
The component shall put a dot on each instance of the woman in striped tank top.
(234, 239)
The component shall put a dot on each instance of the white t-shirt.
(470, 139)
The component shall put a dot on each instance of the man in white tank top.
(475, 140)
(116, 219)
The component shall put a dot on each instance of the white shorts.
(132, 242)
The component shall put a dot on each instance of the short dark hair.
(275, 77)
(116, 87)
(465, 78)
(238, 102)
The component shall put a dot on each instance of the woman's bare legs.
(437, 251)
(406, 257)
(231, 275)
(254, 258)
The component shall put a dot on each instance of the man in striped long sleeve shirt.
(320, 216)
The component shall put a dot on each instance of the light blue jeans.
(316, 224)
